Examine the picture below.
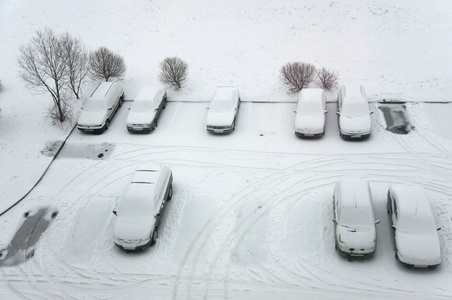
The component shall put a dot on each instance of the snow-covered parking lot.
(250, 216)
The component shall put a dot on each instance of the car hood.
(220, 118)
(355, 124)
(127, 229)
(418, 249)
(356, 237)
(92, 117)
(140, 117)
(310, 123)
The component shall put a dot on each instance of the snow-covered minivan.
(223, 110)
(146, 109)
(354, 219)
(141, 208)
(311, 110)
(100, 107)
(354, 113)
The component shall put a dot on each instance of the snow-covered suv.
(100, 107)
(141, 208)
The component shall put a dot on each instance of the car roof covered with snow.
(413, 206)
(225, 93)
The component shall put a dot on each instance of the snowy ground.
(251, 212)
(250, 216)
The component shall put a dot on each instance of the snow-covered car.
(354, 113)
(416, 240)
(146, 109)
(223, 110)
(141, 208)
(100, 107)
(310, 117)
(354, 219)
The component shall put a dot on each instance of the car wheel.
(154, 237)
(107, 124)
(164, 103)
(170, 193)
(155, 124)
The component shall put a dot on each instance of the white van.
(311, 110)
(146, 109)
(354, 114)
(100, 107)
(354, 218)
(141, 208)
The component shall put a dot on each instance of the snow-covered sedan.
(416, 240)
(311, 109)
(141, 208)
(146, 109)
(223, 110)
(354, 220)
(354, 113)
(100, 107)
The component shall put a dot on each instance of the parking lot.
(250, 215)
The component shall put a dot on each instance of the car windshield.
(355, 109)
(142, 106)
(221, 105)
(95, 105)
(355, 217)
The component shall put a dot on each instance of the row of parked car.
(352, 108)
(416, 240)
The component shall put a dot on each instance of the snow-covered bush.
(297, 75)
(173, 72)
(327, 79)
(105, 65)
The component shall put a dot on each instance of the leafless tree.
(297, 75)
(76, 56)
(327, 79)
(43, 67)
(106, 65)
(173, 72)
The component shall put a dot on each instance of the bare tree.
(76, 56)
(297, 75)
(106, 65)
(327, 79)
(173, 72)
(43, 67)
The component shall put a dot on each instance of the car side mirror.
(371, 112)
(338, 113)
(157, 215)
(110, 108)
(393, 226)
(295, 111)
(156, 109)
(326, 110)
(115, 212)
(377, 222)
(334, 221)
(438, 229)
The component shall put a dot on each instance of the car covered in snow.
(146, 109)
(354, 114)
(100, 107)
(416, 240)
(354, 219)
(141, 208)
(310, 113)
(223, 110)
